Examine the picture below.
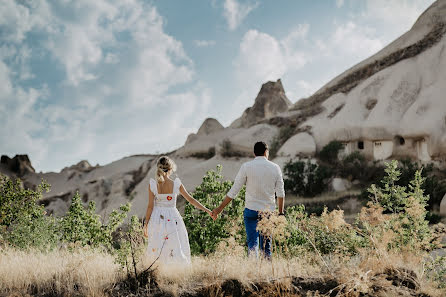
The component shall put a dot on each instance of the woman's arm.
(193, 201)
(149, 211)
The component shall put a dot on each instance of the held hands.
(211, 213)
(215, 213)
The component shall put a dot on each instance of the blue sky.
(100, 80)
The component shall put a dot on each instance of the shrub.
(324, 234)
(403, 210)
(228, 151)
(23, 223)
(205, 155)
(285, 133)
(204, 233)
(434, 186)
(305, 178)
(130, 247)
(329, 153)
(16, 201)
(83, 226)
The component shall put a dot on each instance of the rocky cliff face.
(209, 126)
(270, 101)
(393, 103)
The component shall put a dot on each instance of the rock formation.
(270, 101)
(210, 125)
(19, 165)
(392, 104)
(299, 144)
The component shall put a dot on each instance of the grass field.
(89, 273)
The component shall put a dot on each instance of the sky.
(101, 80)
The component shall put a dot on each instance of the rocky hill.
(390, 105)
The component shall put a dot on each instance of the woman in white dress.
(164, 227)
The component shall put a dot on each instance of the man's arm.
(240, 180)
(219, 209)
(280, 191)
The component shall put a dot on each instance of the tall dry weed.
(59, 272)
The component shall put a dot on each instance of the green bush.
(355, 167)
(23, 223)
(130, 247)
(434, 185)
(329, 153)
(406, 208)
(205, 155)
(227, 151)
(305, 178)
(204, 233)
(325, 234)
(82, 226)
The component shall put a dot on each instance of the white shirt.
(263, 181)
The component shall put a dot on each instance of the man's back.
(263, 181)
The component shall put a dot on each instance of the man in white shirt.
(264, 182)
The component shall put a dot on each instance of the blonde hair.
(164, 165)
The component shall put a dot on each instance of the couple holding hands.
(165, 229)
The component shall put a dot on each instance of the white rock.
(340, 184)
(210, 125)
(299, 144)
(245, 140)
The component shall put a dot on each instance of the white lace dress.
(167, 232)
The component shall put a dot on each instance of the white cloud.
(204, 43)
(339, 3)
(351, 39)
(16, 20)
(120, 70)
(397, 15)
(260, 58)
(263, 58)
(236, 12)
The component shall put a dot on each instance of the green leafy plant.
(205, 155)
(227, 150)
(23, 222)
(130, 247)
(436, 270)
(82, 226)
(204, 233)
(306, 178)
(404, 209)
(329, 153)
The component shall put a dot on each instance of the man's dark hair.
(260, 148)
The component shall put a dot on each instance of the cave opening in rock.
(400, 140)
(361, 145)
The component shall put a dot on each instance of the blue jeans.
(251, 217)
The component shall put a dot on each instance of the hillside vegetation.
(384, 253)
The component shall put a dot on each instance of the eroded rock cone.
(210, 125)
(270, 101)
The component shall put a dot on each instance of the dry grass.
(206, 271)
(88, 273)
(56, 272)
